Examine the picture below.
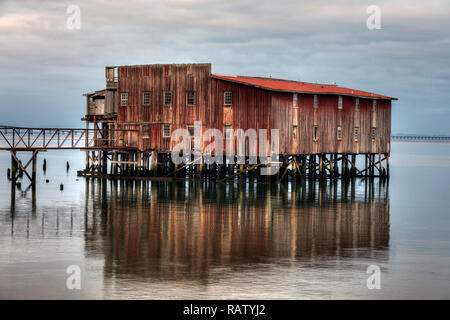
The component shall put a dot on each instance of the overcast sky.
(46, 67)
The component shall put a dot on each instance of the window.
(228, 131)
(374, 105)
(228, 98)
(146, 131)
(340, 102)
(356, 133)
(339, 133)
(190, 98)
(357, 104)
(295, 100)
(166, 131)
(146, 98)
(316, 101)
(167, 98)
(374, 131)
(315, 133)
(124, 99)
(294, 132)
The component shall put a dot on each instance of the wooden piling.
(33, 174)
(353, 169)
(320, 165)
(387, 164)
(13, 166)
(154, 162)
(332, 166)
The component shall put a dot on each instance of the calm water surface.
(184, 240)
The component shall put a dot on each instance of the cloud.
(313, 40)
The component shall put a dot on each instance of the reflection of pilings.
(13, 197)
(183, 229)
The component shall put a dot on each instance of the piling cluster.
(287, 167)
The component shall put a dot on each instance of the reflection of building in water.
(182, 229)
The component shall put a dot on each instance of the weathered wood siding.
(327, 117)
(250, 108)
(157, 79)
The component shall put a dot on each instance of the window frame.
(357, 104)
(171, 98)
(149, 98)
(295, 132)
(316, 101)
(340, 102)
(225, 98)
(373, 133)
(295, 100)
(187, 98)
(164, 130)
(374, 105)
(122, 99)
(146, 131)
(339, 133)
(315, 133)
(356, 134)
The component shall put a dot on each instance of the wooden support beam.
(241, 172)
(154, 161)
(353, 166)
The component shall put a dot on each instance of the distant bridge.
(422, 138)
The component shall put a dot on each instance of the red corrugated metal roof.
(297, 86)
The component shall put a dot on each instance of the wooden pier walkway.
(35, 140)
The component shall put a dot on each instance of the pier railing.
(18, 138)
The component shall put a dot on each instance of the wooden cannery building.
(322, 127)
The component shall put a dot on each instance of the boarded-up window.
(339, 133)
(228, 131)
(228, 98)
(191, 98)
(124, 99)
(316, 133)
(357, 104)
(167, 98)
(356, 133)
(167, 71)
(295, 100)
(123, 72)
(146, 131)
(294, 132)
(374, 105)
(316, 101)
(146, 71)
(146, 98)
(374, 131)
(190, 82)
(340, 102)
(166, 131)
